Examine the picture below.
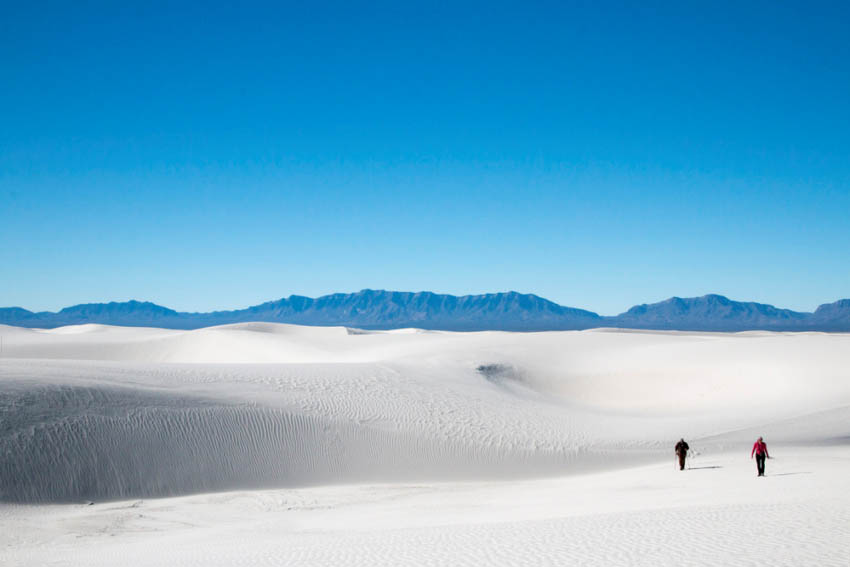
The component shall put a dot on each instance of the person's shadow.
(788, 473)
(701, 468)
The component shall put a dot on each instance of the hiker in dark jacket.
(760, 451)
(682, 452)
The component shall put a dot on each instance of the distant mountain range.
(509, 311)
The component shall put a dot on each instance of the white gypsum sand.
(276, 444)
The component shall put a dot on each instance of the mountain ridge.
(506, 311)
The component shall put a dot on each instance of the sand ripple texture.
(710, 536)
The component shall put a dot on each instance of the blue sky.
(598, 154)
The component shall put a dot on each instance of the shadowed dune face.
(62, 443)
(94, 413)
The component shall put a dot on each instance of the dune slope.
(96, 412)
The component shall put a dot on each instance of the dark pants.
(681, 461)
(760, 464)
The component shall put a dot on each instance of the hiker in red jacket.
(760, 451)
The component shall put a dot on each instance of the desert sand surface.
(268, 444)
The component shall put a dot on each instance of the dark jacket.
(682, 448)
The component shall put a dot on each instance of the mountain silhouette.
(505, 311)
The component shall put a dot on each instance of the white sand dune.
(326, 446)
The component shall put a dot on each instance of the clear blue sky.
(597, 154)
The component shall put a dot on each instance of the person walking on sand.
(760, 451)
(682, 452)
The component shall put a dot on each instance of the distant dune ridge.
(507, 311)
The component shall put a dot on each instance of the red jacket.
(759, 448)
